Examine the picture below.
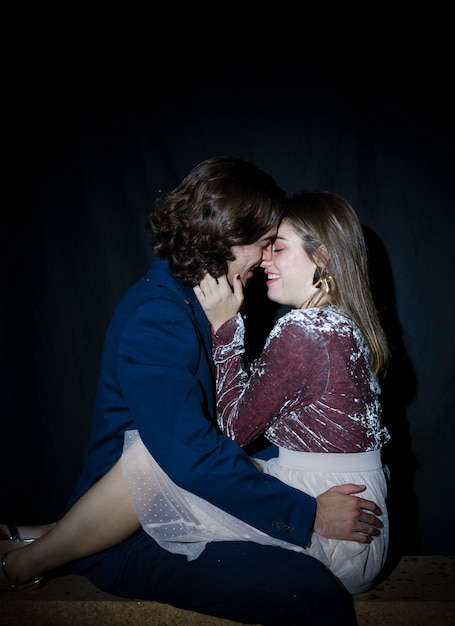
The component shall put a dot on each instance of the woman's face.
(289, 270)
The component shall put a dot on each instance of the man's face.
(250, 256)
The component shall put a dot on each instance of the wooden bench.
(420, 591)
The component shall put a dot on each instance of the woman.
(314, 391)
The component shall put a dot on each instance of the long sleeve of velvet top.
(311, 390)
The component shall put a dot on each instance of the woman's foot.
(8, 584)
(11, 532)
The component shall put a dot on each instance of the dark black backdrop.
(87, 153)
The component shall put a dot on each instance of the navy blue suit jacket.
(157, 376)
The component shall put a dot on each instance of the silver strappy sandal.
(32, 585)
(12, 535)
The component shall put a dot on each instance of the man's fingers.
(369, 506)
(368, 529)
(369, 513)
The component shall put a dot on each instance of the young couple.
(168, 506)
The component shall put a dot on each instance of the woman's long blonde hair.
(326, 221)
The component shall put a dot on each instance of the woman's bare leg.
(103, 517)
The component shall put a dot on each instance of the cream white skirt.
(183, 523)
(356, 565)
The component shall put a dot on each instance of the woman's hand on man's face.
(219, 299)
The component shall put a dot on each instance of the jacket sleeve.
(166, 378)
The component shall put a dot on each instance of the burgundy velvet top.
(311, 390)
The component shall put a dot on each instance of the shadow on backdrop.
(399, 388)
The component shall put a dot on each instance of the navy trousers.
(241, 581)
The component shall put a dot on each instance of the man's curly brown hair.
(223, 202)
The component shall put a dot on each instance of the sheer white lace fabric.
(178, 520)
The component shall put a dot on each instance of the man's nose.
(267, 254)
